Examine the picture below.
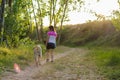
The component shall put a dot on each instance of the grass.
(22, 55)
(74, 66)
(108, 60)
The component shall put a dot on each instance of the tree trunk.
(41, 22)
(61, 25)
(37, 30)
(54, 16)
(2, 19)
(29, 18)
(51, 12)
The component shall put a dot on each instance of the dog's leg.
(36, 61)
(35, 58)
(39, 60)
(40, 55)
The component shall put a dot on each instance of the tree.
(37, 30)
(116, 17)
(61, 25)
(17, 23)
(2, 19)
(19, 18)
(2, 10)
(59, 11)
(41, 14)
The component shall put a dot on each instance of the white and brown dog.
(37, 54)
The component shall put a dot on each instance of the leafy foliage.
(116, 17)
(16, 24)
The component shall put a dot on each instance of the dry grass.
(61, 49)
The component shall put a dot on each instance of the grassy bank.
(108, 60)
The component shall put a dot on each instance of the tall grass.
(82, 34)
(108, 60)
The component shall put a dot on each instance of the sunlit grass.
(4, 51)
(22, 55)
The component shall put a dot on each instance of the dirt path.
(70, 65)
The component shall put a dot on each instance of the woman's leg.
(52, 56)
(47, 55)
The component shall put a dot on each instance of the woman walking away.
(51, 43)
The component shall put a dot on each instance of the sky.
(103, 7)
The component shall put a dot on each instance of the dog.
(37, 54)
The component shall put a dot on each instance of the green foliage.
(116, 23)
(116, 17)
(17, 25)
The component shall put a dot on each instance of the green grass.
(22, 55)
(108, 60)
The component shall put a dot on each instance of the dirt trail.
(60, 69)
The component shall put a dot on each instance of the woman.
(50, 43)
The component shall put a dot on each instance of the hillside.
(92, 33)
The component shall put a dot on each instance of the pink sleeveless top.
(52, 37)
